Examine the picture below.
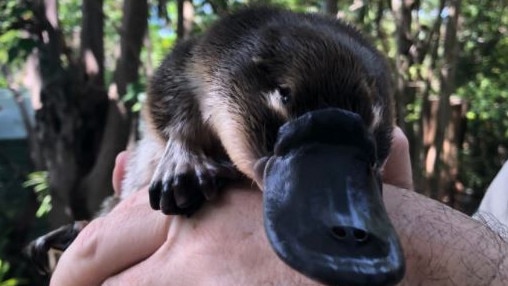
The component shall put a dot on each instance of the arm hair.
(443, 246)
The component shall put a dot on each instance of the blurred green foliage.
(15, 45)
(483, 81)
(4, 281)
(16, 205)
(39, 182)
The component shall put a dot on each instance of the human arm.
(225, 244)
(441, 246)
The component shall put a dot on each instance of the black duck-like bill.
(323, 207)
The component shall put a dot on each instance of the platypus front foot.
(183, 181)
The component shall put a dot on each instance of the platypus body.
(301, 105)
(217, 101)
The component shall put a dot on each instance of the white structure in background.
(493, 209)
(11, 123)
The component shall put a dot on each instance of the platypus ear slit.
(263, 63)
(371, 82)
(263, 59)
(368, 84)
(257, 60)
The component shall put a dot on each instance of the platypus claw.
(184, 193)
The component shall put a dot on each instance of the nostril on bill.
(339, 232)
(350, 233)
(360, 235)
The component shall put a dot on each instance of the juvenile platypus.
(301, 105)
(218, 101)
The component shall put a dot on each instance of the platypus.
(301, 106)
(218, 101)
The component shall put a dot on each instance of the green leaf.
(13, 53)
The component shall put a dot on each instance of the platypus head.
(297, 69)
(324, 214)
(303, 106)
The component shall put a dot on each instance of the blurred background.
(73, 77)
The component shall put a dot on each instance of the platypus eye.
(285, 94)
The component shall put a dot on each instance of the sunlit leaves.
(482, 79)
(38, 181)
(4, 270)
(14, 18)
(136, 95)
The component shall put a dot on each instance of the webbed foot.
(46, 250)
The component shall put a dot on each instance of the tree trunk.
(119, 119)
(403, 18)
(447, 87)
(406, 90)
(55, 120)
(425, 119)
(185, 19)
(92, 42)
(71, 120)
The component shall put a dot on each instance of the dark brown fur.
(220, 98)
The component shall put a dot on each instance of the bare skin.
(225, 244)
